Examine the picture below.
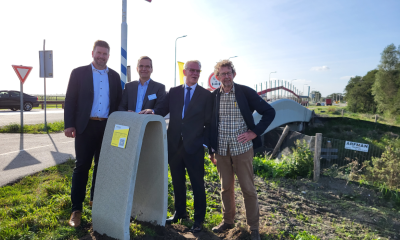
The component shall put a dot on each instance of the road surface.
(35, 116)
(25, 154)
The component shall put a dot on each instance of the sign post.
(46, 70)
(22, 73)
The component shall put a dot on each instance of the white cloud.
(323, 68)
(346, 77)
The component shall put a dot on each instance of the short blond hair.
(224, 63)
(193, 61)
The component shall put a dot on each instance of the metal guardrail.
(52, 102)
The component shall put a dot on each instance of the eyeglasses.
(226, 74)
(191, 70)
(145, 67)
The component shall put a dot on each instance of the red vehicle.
(328, 102)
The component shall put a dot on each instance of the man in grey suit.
(145, 93)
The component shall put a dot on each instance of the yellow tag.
(235, 104)
(120, 136)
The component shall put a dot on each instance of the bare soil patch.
(329, 209)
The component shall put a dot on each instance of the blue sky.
(319, 43)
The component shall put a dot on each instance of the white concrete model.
(131, 181)
(287, 111)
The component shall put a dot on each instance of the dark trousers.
(194, 163)
(87, 146)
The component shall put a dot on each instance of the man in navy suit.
(190, 109)
(145, 93)
(94, 92)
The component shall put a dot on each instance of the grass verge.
(35, 128)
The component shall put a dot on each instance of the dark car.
(11, 100)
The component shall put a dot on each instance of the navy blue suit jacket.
(195, 126)
(80, 95)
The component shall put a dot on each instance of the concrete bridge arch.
(288, 112)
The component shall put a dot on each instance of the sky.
(320, 44)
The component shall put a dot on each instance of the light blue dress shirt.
(141, 91)
(184, 96)
(101, 100)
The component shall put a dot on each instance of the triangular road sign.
(22, 72)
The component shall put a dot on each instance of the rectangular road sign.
(49, 64)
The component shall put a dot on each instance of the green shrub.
(386, 169)
(299, 164)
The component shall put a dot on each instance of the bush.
(386, 169)
(299, 164)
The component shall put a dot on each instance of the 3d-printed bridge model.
(131, 181)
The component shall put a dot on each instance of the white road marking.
(32, 148)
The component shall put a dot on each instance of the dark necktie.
(187, 100)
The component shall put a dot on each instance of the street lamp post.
(232, 57)
(303, 89)
(175, 58)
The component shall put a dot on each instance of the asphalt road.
(26, 154)
(32, 117)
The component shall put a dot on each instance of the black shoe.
(175, 219)
(255, 235)
(197, 227)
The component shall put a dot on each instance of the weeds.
(298, 164)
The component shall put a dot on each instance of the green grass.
(36, 128)
(49, 106)
(336, 111)
(38, 206)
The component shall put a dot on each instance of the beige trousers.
(242, 165)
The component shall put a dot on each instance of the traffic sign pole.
(21, 105)
(22, 73)
(44, 71)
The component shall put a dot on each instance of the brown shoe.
(255, 235)
(222, 227)
(90, 203)
(75, 219)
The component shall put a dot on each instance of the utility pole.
(124, 44)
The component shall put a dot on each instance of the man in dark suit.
(145, 93)
(190, 108)
(93, 93)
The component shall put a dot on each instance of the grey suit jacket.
(129, 96)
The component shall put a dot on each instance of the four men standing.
(222, 121)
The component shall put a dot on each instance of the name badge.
(152, 96)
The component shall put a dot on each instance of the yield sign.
(22, 72)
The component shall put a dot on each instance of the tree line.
(377, 91)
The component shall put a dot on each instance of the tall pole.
(124, 44)
(44, 74)
(175, 58)
(21, 105)
(303, 88)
